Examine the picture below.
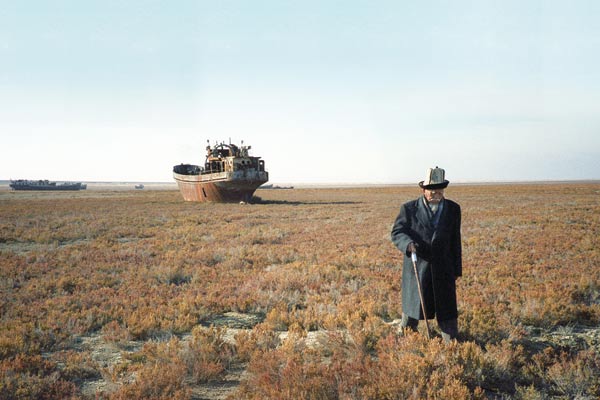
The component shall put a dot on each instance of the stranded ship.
(229, 174)
(25, 184)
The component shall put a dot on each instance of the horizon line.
(333, 183)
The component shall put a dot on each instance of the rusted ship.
(229, 175)
(44, 184)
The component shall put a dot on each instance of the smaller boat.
(44, 184)
(229, 174)
(140, 186)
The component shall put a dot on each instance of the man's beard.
(434, 204)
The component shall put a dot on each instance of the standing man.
(430, 227)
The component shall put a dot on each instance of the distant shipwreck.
(229, 174)
(25, 184)
(44, 184)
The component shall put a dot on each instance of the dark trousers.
(448, 327)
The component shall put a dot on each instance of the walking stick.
(413, 256)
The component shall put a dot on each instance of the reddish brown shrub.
(156, 381)
(207, 354)
(32, 377)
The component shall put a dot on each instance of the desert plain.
(124, 294)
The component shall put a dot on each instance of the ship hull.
(223, 187)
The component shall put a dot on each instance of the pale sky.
(324, 91)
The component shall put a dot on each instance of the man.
(430, 227)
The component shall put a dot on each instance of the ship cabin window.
(223, 153)
(217, 166)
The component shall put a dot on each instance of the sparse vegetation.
(147, 277)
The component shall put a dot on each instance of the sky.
(324, 91)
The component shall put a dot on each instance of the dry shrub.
(25, 338)
(480, 323)
(576, 376)
(260, 339)
(113, 332)
(159, 374)
(410, 367)
(528, 393)
(156, 381)
(504, 363)
(366, 331)
(77, 366)
(279, 318)
(291, 371)
(160, 352)
(173, 276)
(118, 372)
(32, 377)
(535, 370)
(143, 323)
(14, 340)
(208, 355)
(559, 373)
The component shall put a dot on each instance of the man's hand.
(411, 248)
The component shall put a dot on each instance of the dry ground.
(137, 294)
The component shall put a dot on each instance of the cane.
(414, 262)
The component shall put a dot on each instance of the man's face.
(433, 195)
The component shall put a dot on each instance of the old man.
(430, 227)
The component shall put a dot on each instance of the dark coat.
(439, 258)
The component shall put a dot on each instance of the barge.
(44, 184)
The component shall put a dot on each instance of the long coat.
(439, 255)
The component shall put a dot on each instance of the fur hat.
(434, 179)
